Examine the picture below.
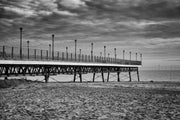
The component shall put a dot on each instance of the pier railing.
(13, 53)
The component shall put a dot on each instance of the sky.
(150, 27)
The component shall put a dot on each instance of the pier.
(24, 61)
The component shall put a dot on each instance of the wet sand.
(91, 101)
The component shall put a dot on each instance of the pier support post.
(94, 76)
(80, 77)
(74, 75)
(7, 73)
(138, 75)
(130, 75)
(46, 74)
(102, 76)
(6, 78)
(46, 77)
(108, 76)
(118, 77)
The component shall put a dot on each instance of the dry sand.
(91, 101)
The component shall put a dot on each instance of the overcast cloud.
(148, 26)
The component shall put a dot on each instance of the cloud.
(139, 24)
(157, 9)
(20, 11)
(44, 12)
(177, 60)
(115, 18)
(137, 9)
(91, 22)
(65, 13)
(6, 22)
(72, 3)
(151, 26)
(168, 29)
(31, 8)
(48, 7)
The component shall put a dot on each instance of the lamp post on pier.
(115, 53)
(136, 56)
(49, 51)
(80, 52)
(130, 58)
(108, 55)
(66, 50)
(21, 42)
(67, 53)
(52, 46)
(104, 51)
(123, 54)
(91, 51)
(28, 48)
(100, 56)
(75, 48)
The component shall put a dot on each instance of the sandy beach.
(91, 101)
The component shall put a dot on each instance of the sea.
(145, 75)
(160, 75)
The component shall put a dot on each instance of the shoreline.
(171, 85)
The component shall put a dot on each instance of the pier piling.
(118, 76)
(108, 76)
(94, 74)
(130, 75)
(138, 75)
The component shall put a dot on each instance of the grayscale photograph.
(89, 59)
